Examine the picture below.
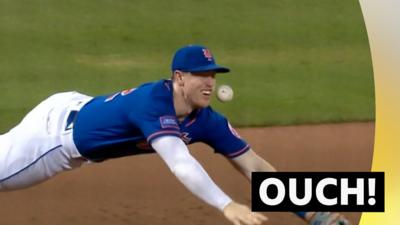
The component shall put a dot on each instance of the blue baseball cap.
(196, 58)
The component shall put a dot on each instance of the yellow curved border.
(382, 20)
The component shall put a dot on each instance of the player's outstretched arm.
(251, 162)
(176, 155)
(241, 214)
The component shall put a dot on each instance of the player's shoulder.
(160, 87)
(161, 93)
(157, 97)
(155, 92)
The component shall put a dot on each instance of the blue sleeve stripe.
(241, 151)
(162, 133)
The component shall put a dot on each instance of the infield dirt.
(140, 190)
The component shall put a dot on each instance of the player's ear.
(179, 77)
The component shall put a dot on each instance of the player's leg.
(32, 161)
(32, 152)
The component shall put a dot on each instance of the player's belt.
(71, 119)
(72, 112)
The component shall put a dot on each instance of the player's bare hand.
(241, 215)
(327, 218)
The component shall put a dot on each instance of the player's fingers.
(248, 221)
(257, 221)
(260, 216)
(236, 222)
(251, 219)
(257, 218)
(245, 219)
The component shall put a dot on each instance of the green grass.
(292, 62)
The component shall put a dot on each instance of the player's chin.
(203, 102)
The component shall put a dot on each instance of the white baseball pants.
(40, 146)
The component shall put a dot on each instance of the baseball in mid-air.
(224, 93)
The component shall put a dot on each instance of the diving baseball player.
(69, 129)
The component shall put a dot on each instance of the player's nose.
(210, 81)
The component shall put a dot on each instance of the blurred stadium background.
(293, 62)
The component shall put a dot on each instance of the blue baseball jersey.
(125, 124)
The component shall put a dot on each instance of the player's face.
(199, 87)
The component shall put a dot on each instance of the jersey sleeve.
(156, 126)
(224, 139)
